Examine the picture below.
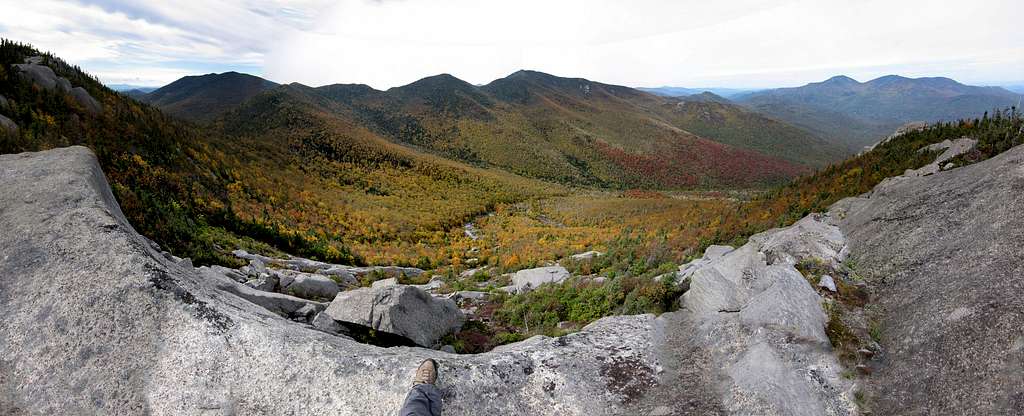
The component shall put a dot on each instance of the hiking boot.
(426, 373)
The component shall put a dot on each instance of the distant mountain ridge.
(856, 114)
(204, 97)
(566, 130)
(682, 91)
(131, 87)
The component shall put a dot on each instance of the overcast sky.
(386, 43)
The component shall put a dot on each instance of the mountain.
(682, 91)
(566, 130)
(710, 115)
(135, 93)
(856, 114)
(130, 87)
(1015, 88)
(203, 97)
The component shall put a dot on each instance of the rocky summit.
(96, 320)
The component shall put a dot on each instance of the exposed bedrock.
(97, 321)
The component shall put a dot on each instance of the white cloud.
(745, 43)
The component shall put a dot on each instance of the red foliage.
(690, 161)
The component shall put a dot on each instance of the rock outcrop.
(944, 256)
(34, 71)
(949, 149)
(397, 309)
(98, 321)
(763, 326)
(531, 278)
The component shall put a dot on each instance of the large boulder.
(311, 286)
(7, 126)
(400, 310)
(812, 238)
(85, 100)
(531, 278)
(45, 77)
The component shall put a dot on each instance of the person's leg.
(424, 399)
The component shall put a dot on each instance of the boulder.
(306, 313)
(4, 104)
(400, 310)
(342, 275)
(230, 273)
(42, 76)
(811, 238)
(531, 278)
(384, 283)
(469, 295)
(265, 282)
(256, 267)
(311, 286)
(587, 255)
(278, 303)
(711, 253)
(45, 77)
(325, 323)
(7, 126)
(86, 101)
(828, 283)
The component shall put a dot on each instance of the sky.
(640, 43)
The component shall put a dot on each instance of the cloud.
(153, 43)
(385, 43)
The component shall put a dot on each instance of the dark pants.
(423, 400)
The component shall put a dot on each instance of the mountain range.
(855, 114)
(566, 130)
